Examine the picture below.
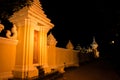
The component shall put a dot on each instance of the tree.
(7, 8)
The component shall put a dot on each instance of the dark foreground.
(100, 69)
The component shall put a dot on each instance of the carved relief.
(13, 33)
(8, 34)
(1, 27)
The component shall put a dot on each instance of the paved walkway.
(97, 70)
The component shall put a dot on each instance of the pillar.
(24, 67)
(43, 49)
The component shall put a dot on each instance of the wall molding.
(8, 41)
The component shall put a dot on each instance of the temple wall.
(18, 61)
(61, 57)
(58, 58)
(66, 57)
(7, 57)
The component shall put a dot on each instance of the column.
(24, 67)
(43, 49)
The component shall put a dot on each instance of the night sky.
(79, 21)
(72, 20)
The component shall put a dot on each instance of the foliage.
(8, 7)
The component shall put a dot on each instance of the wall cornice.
(8, 41)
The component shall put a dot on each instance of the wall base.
(31, 72)
(5, 75)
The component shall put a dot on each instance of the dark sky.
(79, 21)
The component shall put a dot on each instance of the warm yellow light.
(113, 42)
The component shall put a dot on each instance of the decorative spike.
(69, 45)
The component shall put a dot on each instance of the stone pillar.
(43, 49)
(24, 67)
(27, 19)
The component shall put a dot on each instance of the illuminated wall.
(19, 57)
(59, 58)
(66, 57)
(7, 57)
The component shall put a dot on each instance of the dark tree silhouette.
(7, 8)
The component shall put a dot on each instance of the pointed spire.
(94, 43)
(69, 45)
(51, 39)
